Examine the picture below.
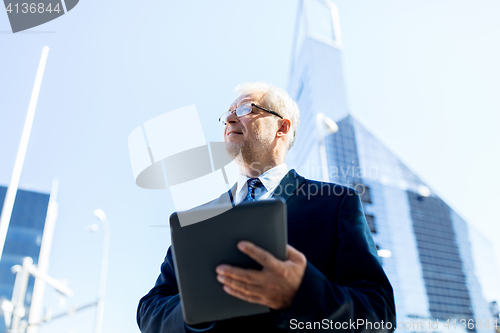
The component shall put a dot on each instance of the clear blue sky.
(423, 74)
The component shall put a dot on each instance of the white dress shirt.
(270, 179)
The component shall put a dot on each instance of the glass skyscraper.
(431, 266)
(24, 238)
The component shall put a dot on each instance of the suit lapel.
(288, 185)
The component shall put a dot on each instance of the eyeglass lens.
(240, 111)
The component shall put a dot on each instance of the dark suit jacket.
(344, 280)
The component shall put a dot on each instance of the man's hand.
(274, 286)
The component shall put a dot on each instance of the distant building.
(24, 238)
(430, 266)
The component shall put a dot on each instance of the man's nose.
(232, 118)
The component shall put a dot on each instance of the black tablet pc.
(200, 247)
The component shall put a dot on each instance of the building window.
(371, 223)
(364, 193)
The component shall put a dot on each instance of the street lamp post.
(14, 310)
(321, 121)
(104, 268)
(43, 259)
(10, 195)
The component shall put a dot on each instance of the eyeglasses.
(243, 110)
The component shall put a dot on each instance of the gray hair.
(277, 100)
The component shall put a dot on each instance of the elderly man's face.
(252, 134)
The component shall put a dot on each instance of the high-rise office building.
(24, 238)
(430, 264)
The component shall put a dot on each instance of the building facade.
(431, 264)
(24, 238)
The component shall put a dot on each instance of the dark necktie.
(255, 186)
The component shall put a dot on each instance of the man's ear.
(285, 127)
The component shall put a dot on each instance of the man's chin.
(234, 149)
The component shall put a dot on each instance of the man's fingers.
(236, 293)
(258, 254)
(241, 287)
(240, 274)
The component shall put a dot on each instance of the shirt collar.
(270, 179)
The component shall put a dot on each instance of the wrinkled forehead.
(253, 97)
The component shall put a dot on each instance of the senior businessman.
(332, 273)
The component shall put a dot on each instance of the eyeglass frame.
(251, 104)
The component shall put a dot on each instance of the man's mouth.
(233, 133)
